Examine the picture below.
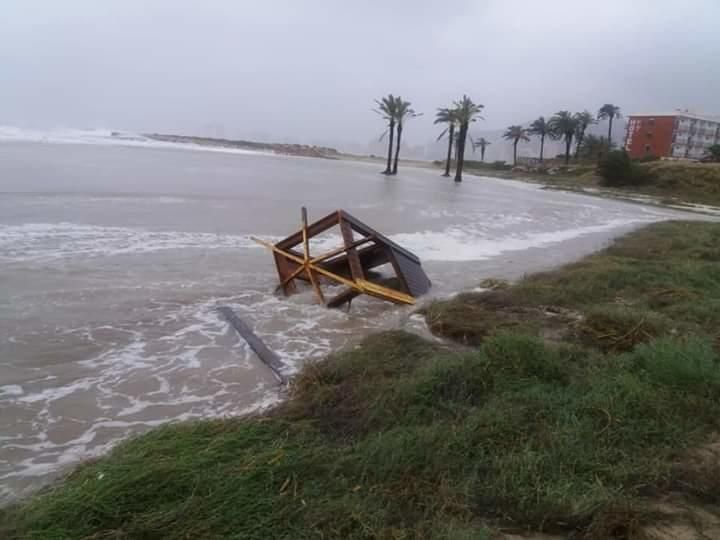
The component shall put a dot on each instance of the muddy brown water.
(113, 260)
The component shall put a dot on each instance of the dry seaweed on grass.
(624, 520)
(669, 296)
(615, 329)
(697, 472)
(494, 283)
(470, 318)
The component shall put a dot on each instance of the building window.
(647, 148)
(651, 122)
(649, 134)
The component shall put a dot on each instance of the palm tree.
(592, 147)
(562, 126)
(467, 112)
(483, 144)
(447, 116)
(540, 128)
(403, 111)
(515, 134)
(584, 119)
(386, 107)
(609, 112)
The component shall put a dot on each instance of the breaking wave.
(104, 137)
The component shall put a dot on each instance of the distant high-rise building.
(677, 134)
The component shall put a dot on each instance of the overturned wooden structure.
(351, 264)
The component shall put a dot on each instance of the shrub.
(617, 169)
(501, 165)
(712, 153)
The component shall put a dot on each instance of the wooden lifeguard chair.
(351, 264)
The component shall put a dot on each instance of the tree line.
(566, 126)
(563, 125)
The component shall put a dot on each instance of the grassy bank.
(669, 182)
(572, 402)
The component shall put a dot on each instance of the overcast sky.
(309, 70)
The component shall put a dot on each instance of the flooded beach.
(114, 258)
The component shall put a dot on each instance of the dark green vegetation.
(563, 126)
(617, 169)
(458, 119)
(609, 112)
(516, 134)
(447, 116)
(670, 182)
(713, 153)
(577, 399)
(395, 111)
(466, 112)
(540, 128)
(686, 181)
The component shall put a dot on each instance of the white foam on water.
(11, 390)
(106, 137)
(469, 244)
(52, 241)
(182, 361)
(186, 363)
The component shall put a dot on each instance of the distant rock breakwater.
(277, 148)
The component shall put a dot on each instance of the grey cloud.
(308, 71)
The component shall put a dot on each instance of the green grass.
(670, 182)
(401, 438)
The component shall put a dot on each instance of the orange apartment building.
(679, 134)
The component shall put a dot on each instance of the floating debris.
(351, 264)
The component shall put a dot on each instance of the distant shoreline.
(303, 150)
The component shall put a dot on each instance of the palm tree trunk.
(515, 152)
(451, 134)
(482, 154)
(610, 133)
(397, 148)
(568, 144)
(388, 169)
(542, 146)
(461, 152)
(581, 137)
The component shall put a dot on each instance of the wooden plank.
(398, 271)
(314, 229)
(370, 257)
(356, 269)
(343, 298)
(415, 277)
(338, 251)
(268, 357)
(318, 269)
(305, 239)
(284, 271)
(316, 286)
(306, 257)
(385, 293)
(363, 229)
(295, 273)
